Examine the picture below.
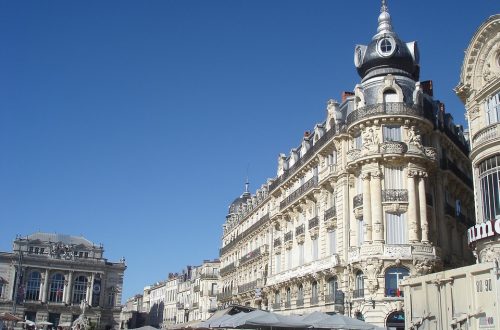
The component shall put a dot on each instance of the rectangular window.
(314, 252)
(492, 107)
(396, 228)
(301, 254)
(392, 133)
(393, 177)
(277, 263)
(361, 232)
(358, 142)
(289, 259)
(332, 239)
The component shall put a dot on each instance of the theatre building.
(53, 278)
(378, 190)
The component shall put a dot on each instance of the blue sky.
(135, 123)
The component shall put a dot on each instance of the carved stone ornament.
(489, 254)
(414, 137)
(423, 266)
(372, 268)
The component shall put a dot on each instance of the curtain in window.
(361, 232)
(332, 239)
(396, 228)
(393, 177)
(392, 133)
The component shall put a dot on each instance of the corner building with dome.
(379, 190)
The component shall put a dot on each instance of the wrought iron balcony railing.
(288, 236)
(252, 255)
(312, 182)
(336, 297)
(276, 306)
(394, 108)
(247, 286)
(314, 300)
(448, 165)
(308, 155)
(330, 213)
(245, 233)
(395, 195)
(313, 223)
(357, 201)
(300, 230)
(277, 242)
(227, 269)
(300, 302)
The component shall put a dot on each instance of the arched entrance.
(396, 321)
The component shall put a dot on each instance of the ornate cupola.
(386, 53)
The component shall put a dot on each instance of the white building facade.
(479, 90)
(54, 277)
(360, 203)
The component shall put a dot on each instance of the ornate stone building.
(479, 90)
(378, 191)
(53, 277)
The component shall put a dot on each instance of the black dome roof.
(386, 53)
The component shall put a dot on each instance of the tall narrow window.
(33, 286)
(361, 232)
(301, 254)
(390, 96)
(392, 133)
(314, 248)
(80, 289)
(492, 108)
(314, 292)
(359, 285)
(56, 288)
(277, 263)
(332, 240)
(396, 228)
(393, 177)
(358, 142)
(289, 259)
(490, 189)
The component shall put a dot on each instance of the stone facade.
(53, 277)
(360, 203)
(479, 90)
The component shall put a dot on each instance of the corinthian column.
(367, 208)
(376, 204)
(412, 208)
(45, 286)
(423, 208)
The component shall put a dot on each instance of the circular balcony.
(386, 109)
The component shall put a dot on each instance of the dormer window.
(386, 46)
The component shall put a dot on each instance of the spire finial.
(384, 7)
(384, 21)
(246, 185)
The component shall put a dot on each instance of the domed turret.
(386, 53)
(235, 205)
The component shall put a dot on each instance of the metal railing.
(393, 108)
(250, 256)
(276, 306)
(300, 302)
(314, 300)
(308, 155)
(448, 165)
(227, 269)
(330, 213)
(288, 236)
(313, 223)
(312, 182)
(299, 230)
(357, 201)
(336, 297)
(395, 195)
(245, 233)
(277, 242)
(247, 286)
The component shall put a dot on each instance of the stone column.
(367, 208)
(412, 208)
(45, 286)
(69, 288)
(89, 289)
(423, 208)
(376, 204)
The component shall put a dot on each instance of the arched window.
(392, 277)
(33, 286)
(300, 295)
(359, 285)
(333, 287)
(490, 187)
(56, 288)
(288, 298)
(314, 292)
(80, 289)
(396, 321)
(390, 96)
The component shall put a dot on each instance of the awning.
(10, 317)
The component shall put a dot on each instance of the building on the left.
(54, 278)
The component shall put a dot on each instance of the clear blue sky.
(134, 123)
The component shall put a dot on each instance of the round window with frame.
(386, 46)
